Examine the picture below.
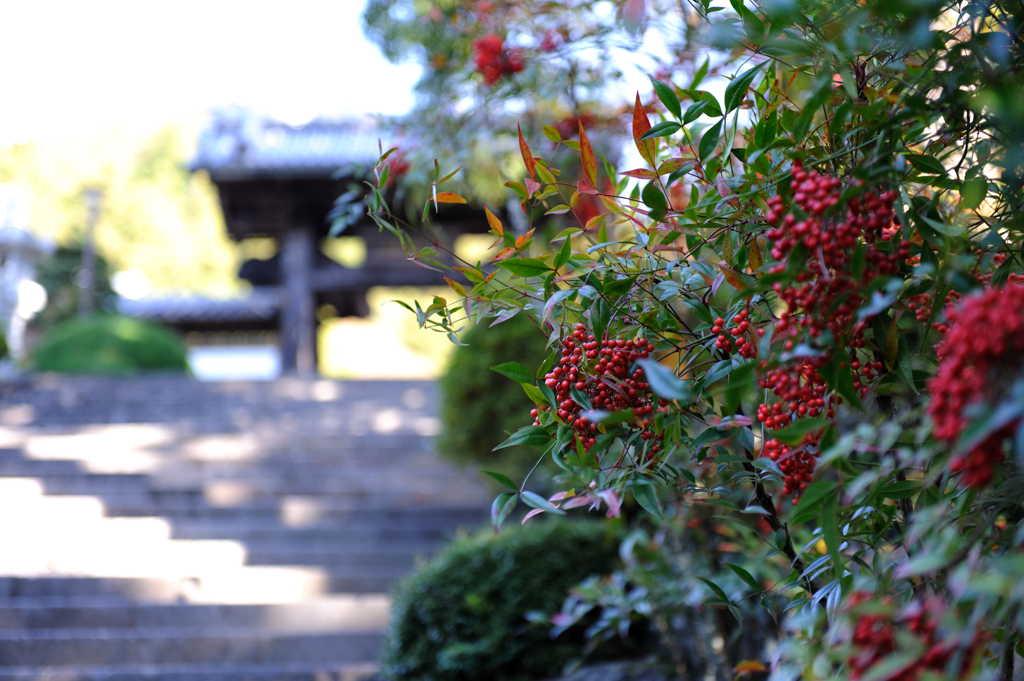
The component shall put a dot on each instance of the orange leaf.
(641, 174)
(494, 222)
(587, 158)
(448, 197)
(524, 149)
(456, 286)
(502, 254)
(641, 124)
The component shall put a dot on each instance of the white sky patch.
(67, 64)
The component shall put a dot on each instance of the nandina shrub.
(818, 270)
(463, 616)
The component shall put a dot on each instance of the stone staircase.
(160, 528)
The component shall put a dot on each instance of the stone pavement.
(161, 528)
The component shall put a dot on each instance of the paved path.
(161, 528)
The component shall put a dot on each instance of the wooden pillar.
(298, 320)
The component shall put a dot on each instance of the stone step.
(345, 613)
(251, 584)
(336, 533)
(183, 645)
(178, 672)
(141, 486)
(297, 511)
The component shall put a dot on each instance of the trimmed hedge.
(462, 616)
(478, 405)
(109, 344)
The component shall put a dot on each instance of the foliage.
(781, 300)
(155, 215)
(480, 406)
(463, 615)
(58, 275)
(109, 344)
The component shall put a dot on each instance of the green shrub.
(109, 344)
(478, 405)
(462, 616)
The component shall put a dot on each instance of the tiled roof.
(243, 145)
(260, 305)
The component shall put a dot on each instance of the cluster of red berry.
(874, 639)
(825, 296)
(601, 372)
(493, 60)
(736, 338)
(923, 303)
(980, 356)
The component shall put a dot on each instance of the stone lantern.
(21, 297)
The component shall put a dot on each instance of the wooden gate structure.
(281, 182)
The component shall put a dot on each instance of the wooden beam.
(298, 318)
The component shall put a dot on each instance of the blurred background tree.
(156, 216)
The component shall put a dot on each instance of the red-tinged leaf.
(521, 241)
(471, 273)
(531, 186)
(587, 158)
(494, 222)
(448, 197)
(674, 164)
(502, 254)
(641, 174)
(536, 511)
(641, 124)
(749, 666)
(754, 256)
(612, 499)
(725, 191)
(733, 277)
(594, 223)
(456, 286)
(502, 506)
(585, 187)
(524, 149)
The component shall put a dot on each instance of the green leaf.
(901, 489)
(503, 505)
(814, 493)
(795, 433)
(648, 500)
(973, 192)
(708, 436)
(563, 254)
(525, 267)
(664, 381)
(531, 436)
(694, 111)
(927, 164)
(537, 501)
(535, 394)
(555, 299)
(654, 199)
(667, 96)
(709, 141)
(829, 520)
(552, 134)
(717, 590)
(745, 576)
(737, 88)
(764, 133)
(502, 478)
(516, 371)
(663, 129)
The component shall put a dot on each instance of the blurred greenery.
(462, 617)
(155, 216)
(109, 344)
(479, 406)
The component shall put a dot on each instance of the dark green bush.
(478, 405)
(461, 617)
(109, 344)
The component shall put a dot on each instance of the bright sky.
(69, 65)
